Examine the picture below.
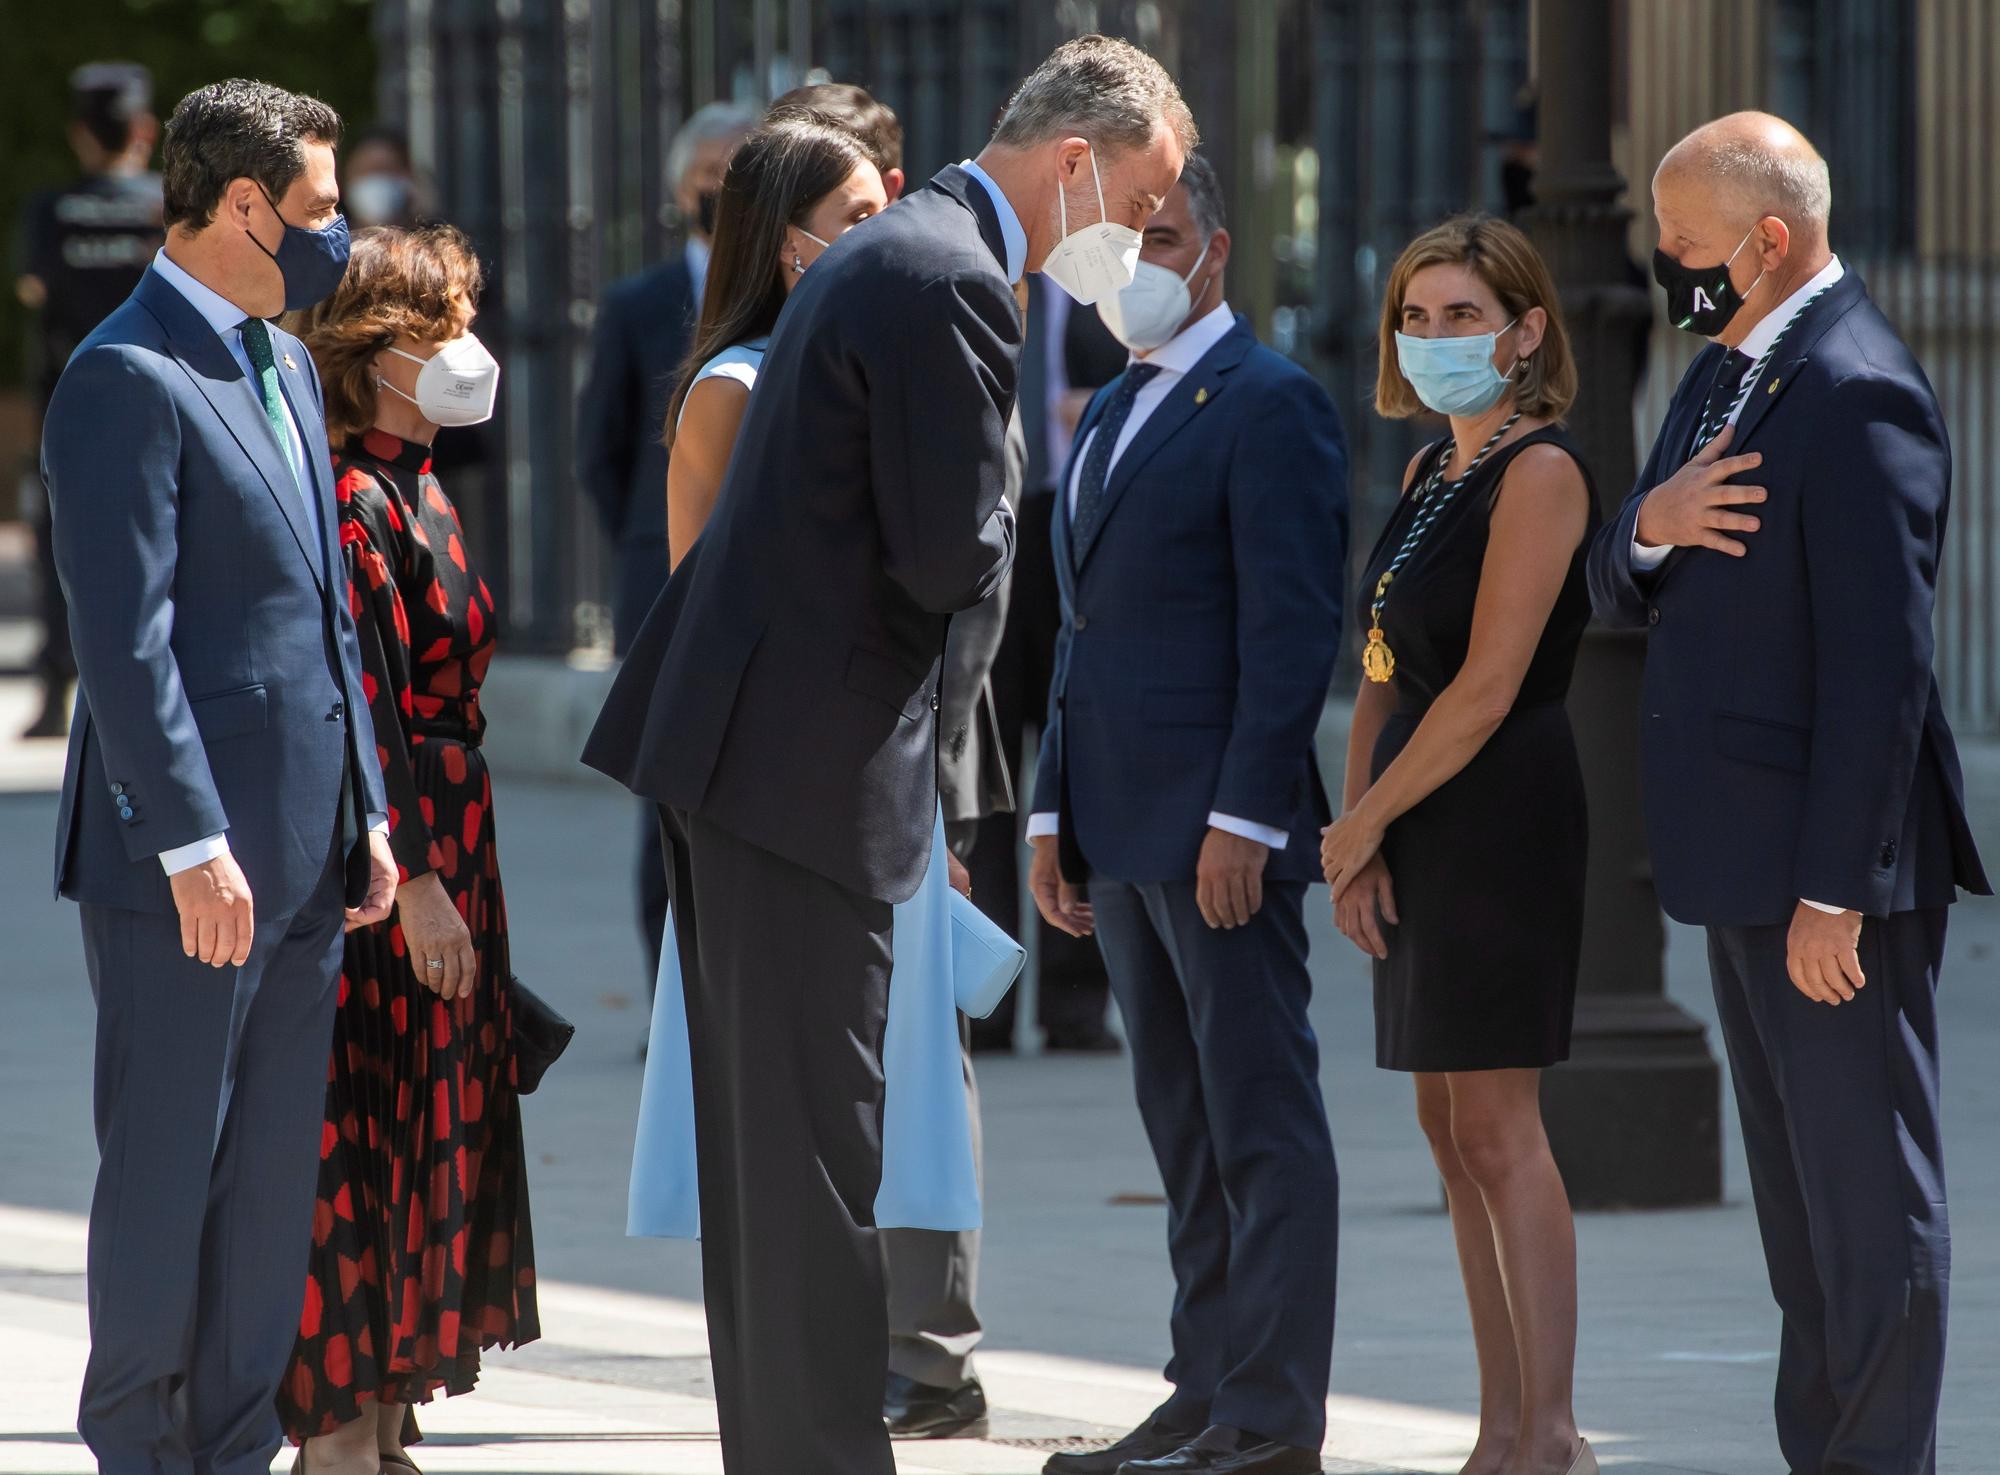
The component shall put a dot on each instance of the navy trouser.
(1227, 1070)
(210, 1097)
(1841, 1131)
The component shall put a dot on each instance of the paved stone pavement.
(1677, 1328)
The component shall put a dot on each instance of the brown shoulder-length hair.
(1509, 264)
(775, 177)
(421, 284)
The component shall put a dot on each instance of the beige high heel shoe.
(1585, 1462)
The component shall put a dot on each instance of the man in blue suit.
(222, 806)
(1200, 547)
(1802, 790)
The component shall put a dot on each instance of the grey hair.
(709, 124)
(1204, 192)
(1761, 174)
(1098, 88)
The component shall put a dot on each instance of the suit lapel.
(236, 402)
(1197, 390)
(1799, 342)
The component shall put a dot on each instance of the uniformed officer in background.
(83, 248)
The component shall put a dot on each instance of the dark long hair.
(775, 178)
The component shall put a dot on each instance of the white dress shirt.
(1756, 343)
(1011, 233)
(1174, 359)
(226, 318)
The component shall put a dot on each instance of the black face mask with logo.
(1701, 299)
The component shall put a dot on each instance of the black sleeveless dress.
(1489, 869)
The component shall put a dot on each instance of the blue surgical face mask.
(1454, 376)
(312, 262)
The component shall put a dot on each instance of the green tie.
(257, 343)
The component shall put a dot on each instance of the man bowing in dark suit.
(1200, 547)
(780, 704)
(1802, 791)
(221, 774)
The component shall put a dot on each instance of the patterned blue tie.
(1090, 499)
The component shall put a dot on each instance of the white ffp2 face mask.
(1094, 261)
(1147, 314)
(456, 386)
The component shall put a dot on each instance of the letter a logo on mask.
(1701, 301)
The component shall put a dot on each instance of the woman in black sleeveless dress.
(1458, 863)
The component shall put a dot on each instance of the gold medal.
(1378, 664)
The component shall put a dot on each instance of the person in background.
(802, 184)
(421, 1254)
(1802, 789)
(222, 816)
(644, 327)
(1458, 862)
(862, 114)
(82, 249)
(1068, 357)
(379, 180)
(1200, 542)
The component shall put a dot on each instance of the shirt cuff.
(1646, 558)
(378, 824)
(1044, 824)
(1264, 835)
(187, 857)
(1820, 906)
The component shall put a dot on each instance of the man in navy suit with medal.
(222, 813)
(1802, 790)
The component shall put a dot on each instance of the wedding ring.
(434, 965)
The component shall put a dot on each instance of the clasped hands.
(1364, 895)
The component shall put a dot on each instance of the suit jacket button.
(1888, 854)
(1653, 615)
(118, 789)
(1083, 622)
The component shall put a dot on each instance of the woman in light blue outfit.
(793, 188)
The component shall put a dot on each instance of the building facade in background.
(1342, 128)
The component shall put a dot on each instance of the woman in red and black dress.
(421, 1252)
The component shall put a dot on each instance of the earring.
(798, 265)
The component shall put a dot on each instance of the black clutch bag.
(540, 1036)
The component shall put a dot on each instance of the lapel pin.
(290, 365)
(1201, 396)
(1774, 387)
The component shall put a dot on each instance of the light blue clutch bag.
(985, 961)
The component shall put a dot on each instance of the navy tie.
(1722, 393)
(1090, 500)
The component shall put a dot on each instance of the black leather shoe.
(1146, 1442)
(1224, 1451)
(916, 1410)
